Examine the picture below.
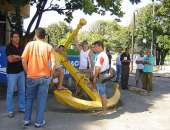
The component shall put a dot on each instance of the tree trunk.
(37, 15)
(40, 14)
(163, 56)
(158, 56)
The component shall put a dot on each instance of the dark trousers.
(124, 76)
(147, 81)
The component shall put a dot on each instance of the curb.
(155, 75)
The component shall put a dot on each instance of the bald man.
(148, 69)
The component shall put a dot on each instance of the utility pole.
(153, 34)
(133, 39)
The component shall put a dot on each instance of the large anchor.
(66, 97)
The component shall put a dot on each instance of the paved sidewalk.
(136, 112)
(162, 72)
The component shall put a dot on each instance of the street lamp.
(153, 13)
(133, 39)
(132, 48)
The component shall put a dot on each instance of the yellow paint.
(66, 97)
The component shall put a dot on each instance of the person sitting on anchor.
(58, 75)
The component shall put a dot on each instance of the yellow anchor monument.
(66, 97)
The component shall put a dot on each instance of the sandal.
(61, 88)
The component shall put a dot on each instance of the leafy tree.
(57, 31)
(89, 36)
(121, 38)
(160, 24)
(144, 25)
(163, 47)
(110, 32)
(163, 39)
(103, 27)
(67, 7)
(163, 17)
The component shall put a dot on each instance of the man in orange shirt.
(38, 61)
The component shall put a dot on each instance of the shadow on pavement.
(63, 117)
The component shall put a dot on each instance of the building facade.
(7, 13)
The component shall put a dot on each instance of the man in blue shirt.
(118, 65)
(148, 69)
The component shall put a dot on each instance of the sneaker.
(27, 123)
(37, 125)
(11, 115)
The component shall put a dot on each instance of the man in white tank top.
(84, 59)
(84, 56)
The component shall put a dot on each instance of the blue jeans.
(36, 88)
(118, 72)
(13, 80)
(101, 88)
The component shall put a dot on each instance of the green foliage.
(135, 1)
(18, 2)
(164, 16)
(88, 6)
(67, 7)
(145, 24)
(89, 36)
(160, 24)
(57, 32)
(163, 41)
(110, 32)
(121, 38)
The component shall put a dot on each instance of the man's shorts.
(57, 71)
(101, 88)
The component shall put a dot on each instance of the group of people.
(144, 69)
(32, 67)
(95, 63)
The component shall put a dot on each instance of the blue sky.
(52, 17)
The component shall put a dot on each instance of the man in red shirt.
(101, 66)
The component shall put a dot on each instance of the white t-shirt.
(84, 59)
(139, 58)
(102, 61)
